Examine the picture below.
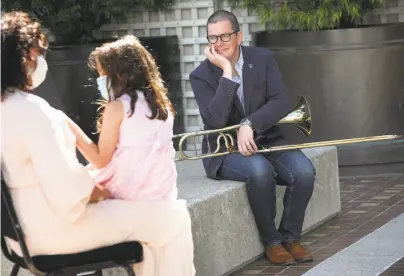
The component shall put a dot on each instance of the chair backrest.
(7, 228)
(11, 227)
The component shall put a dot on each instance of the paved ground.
(395, 270)
(367, 204)
(371, 255)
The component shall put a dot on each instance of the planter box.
(353, 81)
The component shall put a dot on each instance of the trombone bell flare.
(299, 117)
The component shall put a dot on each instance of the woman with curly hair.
(52, 192)
(134, 158)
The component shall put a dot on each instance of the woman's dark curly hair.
(129, 67)
(19, 33)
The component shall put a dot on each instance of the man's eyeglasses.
(212, 39)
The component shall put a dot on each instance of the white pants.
(163, 228)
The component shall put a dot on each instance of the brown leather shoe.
(278, 255)
(298, 252)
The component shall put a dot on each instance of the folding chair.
(90, 262)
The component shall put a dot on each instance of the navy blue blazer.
(266, 101)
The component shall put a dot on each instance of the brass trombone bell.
(299, 117)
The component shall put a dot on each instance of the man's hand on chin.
(245, 141)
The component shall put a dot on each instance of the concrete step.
(224, 231)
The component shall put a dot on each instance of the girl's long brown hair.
(129, 67)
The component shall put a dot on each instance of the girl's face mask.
(102, 87)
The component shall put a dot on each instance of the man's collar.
(240, 60)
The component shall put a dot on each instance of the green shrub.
(310, 14)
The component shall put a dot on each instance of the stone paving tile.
(366, 205)
(396, 269)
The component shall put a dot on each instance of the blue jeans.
(262, 172)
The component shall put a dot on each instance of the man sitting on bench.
(242, 85)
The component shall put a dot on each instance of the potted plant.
(349, 70)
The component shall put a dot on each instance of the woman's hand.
(99, 193)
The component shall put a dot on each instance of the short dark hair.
(19, 33)
(222, 15)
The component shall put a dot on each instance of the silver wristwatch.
(245, 121)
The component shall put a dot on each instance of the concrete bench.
(224, 231)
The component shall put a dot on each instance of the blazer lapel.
(217, 73)
(249, 76)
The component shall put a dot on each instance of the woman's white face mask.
(39, 74)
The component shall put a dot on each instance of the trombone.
(299, 117)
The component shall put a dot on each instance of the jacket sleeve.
(278, 100)
(63, 180)
(214, 106)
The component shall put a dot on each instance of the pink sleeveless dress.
(142, 167)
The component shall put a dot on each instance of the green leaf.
(310, 14)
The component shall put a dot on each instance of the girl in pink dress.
(134, 158)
